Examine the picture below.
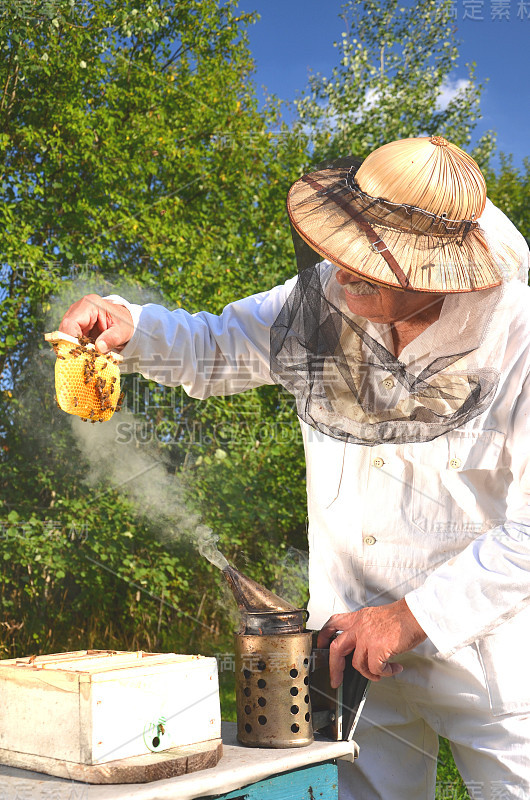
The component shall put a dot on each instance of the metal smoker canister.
(273, 653)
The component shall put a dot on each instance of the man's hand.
(374, 634)
(111, 325)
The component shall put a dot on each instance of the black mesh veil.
(347, 382)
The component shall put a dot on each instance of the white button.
(389, 383)
(370, 540)
(455, 463)
(378, 462)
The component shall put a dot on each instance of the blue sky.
(294, 36)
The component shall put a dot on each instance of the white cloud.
(371, 99)
(449, 90)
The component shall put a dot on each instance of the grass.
(227, 690)
(449, 784)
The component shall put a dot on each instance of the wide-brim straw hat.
(407, 217)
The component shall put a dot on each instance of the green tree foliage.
(126, 131)
(509, 188)
(392, 80)
(133, 156)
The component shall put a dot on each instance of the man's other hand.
(110, 324)
(374, 635)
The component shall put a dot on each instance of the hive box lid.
(94, 665)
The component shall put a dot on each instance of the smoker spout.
(251, 596)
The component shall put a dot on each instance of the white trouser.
(399, 727)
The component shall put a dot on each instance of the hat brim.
(431, 263)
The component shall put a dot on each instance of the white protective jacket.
(445, 523)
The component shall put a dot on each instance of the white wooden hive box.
(96, 706)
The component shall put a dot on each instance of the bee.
(75, 401)
(31, 659)
(88, 372)
(90, 414)
(160, 729)
(104, 367)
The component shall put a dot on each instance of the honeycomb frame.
(87, 382)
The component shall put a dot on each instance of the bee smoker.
(283, 692)
(273, 653)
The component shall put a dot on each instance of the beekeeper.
(405, 339)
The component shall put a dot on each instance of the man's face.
(385, 305)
